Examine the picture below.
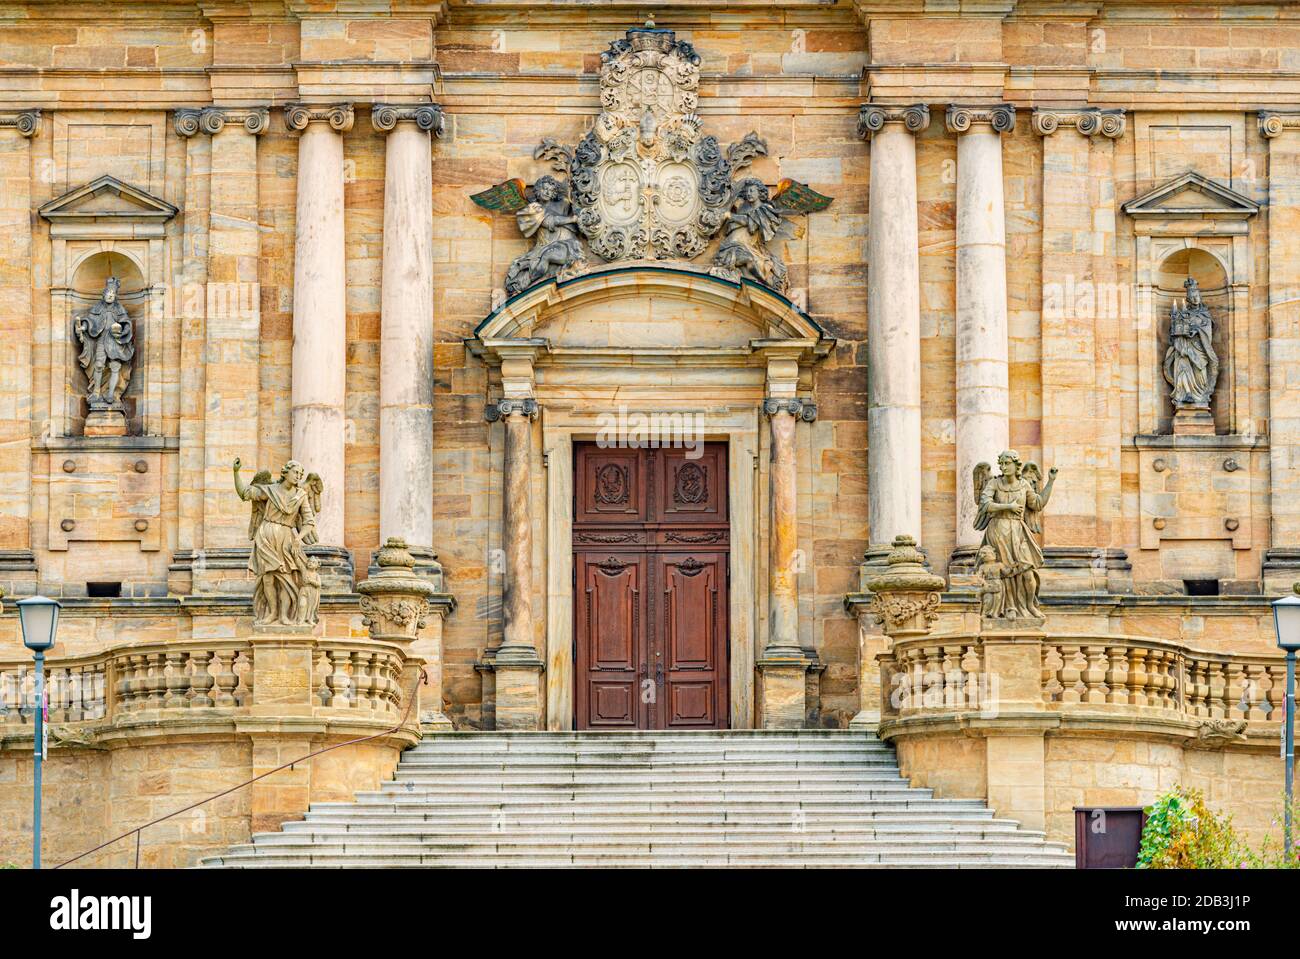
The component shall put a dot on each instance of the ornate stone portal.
(646, 184)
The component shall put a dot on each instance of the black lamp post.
(1286, 619)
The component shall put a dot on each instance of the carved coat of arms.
(646, 183)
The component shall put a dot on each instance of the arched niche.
(90, 273)
(1210, 274)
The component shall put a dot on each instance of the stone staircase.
(742, 798)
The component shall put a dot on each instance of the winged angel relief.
(646, 184)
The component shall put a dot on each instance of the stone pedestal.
(1193, 421)
(105, 422)
(783, 694)
(1015, 748)
(904, 601)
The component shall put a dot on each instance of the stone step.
(639, 777)
(508, 833)
(668, 762)
(900, 800)
(601, 819)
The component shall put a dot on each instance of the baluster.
(1094, 675)
(1053, 661)
(1072, 664)
(340, 679)
(175, 681)
(1259, 704)
(225, 680)
(1117, 675)
(241, 666)
(321, 676)
(200, 680)
(1156, 678)
(954, 691)
(1196, 687)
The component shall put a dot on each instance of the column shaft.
(982, 390)
(319, 321)
(517, 542)
(406, 347)
(783, 599)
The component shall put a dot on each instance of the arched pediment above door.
(653, 313)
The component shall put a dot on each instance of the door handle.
(659, 674)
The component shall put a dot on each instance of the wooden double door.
(651, 543)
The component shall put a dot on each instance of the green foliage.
(1273, 854)
(1182, 832)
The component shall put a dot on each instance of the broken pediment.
(107, 208)
(1192, 196)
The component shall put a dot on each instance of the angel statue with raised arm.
(756, 218)
(283, 522)
(1009, 511)
(544, 213)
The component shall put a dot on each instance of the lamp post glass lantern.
(1286, 620)
(39, 616)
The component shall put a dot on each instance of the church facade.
(759, 365)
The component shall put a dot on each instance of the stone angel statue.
(1009, 512)
(287, 587)
(544, 213)
(756, 218)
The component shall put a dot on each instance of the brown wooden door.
(651, 564)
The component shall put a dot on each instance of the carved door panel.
(611, 653)
(650, 543)
(691, 640)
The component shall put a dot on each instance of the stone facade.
(1019, 193)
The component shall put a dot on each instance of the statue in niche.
(545, 214)
(1191, 366)
(756, 218)
(1010, 508)
(107, 339)
(287, 587)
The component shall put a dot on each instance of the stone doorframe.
(563, 357)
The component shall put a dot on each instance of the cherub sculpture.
(544, 213)
(992, 590)
(1010, 508)
(287, 587)
(107, 339)
(756, 218)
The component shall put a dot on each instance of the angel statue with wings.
(758, 217)
(1010, 510)
(283, 522)
(544, 213)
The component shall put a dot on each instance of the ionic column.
(516, 662)
(319, 307)
(893, 324)
(784, 664)
(18, 572)
(406, 337)
(232, 318)
(982, 390)
(1282, 561)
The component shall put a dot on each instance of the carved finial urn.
(395, 601)
(905, 597)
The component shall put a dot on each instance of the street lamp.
(39, 616)
(1286, 619)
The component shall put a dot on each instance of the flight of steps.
(740, 798)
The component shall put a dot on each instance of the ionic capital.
(26, 122)
(338, 115)
(212, 120)
(1089, 121)
(1274, 124)
(1001, 117)
(872, 118)
(426, 116)
(805, 410)
(508, 406)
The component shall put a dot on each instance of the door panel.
(612, 647)
(650, 550)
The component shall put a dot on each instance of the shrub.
(1182, 832)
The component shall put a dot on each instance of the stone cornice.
(805, 410)
(26, 122)
(872, 118)
(1275, 124)
(960, 118)
(338, 115)
(426, 116)
(212, 120)
(1089, 121)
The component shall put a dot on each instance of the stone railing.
(1227, 695)
(186, 679)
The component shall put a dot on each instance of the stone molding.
(1275, 124)
(212, 120)
(338, 115)
(872, 118)
(505, 407)
(805, 410)
(427, 116)
(1089, 122)
(1001, 117)
(26, 122)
